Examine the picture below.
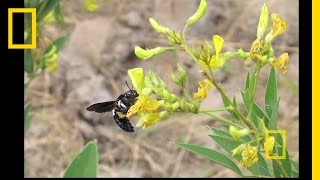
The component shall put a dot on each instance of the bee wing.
(102, 107)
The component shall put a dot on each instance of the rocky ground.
(93, 67)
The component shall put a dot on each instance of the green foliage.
(244, 135)
(36, 61)
(85, 164)
(212, 155)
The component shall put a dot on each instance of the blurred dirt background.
(93, 68)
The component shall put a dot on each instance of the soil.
(93, 66)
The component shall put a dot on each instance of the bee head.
(131, 94)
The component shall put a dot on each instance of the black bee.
(119, 108)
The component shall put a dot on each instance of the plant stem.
(279, 165)
(216, 110)
(223, 120)
(254, 89)
(220, 89)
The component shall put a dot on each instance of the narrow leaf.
(258, 113)
(246, 98)
(85, 164)
(248, 81)
(271, 95)
(45, 8)
(286, 163)
(212, 155)
(58, 16)
(259, 168)
(274, 117)
(27, 117)
(226, 104)
(28, 62)
(294, 174)
(220, 132)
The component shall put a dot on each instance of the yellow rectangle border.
(284, 144)
(33, 44)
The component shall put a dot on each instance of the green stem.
(254, 89)
(216, 110)
(223, 120)
(279, 165)
(220, 89)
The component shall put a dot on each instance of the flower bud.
(164, 114)
(53, 50)
(263, 21)
(180, 77)
(147, 91)
(175, 105)
(148, 53)
(236, 134)
(157, 27)
(201, 11)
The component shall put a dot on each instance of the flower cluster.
(261, 49)
(156, 102)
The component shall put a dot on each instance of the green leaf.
(212, 155)
(85, 164)
(258, 113)
(226, 143)
(226, 104)
(294, 174)
(33, 3)
(274, 116)
(271, 95)
(60, 42)
(260, 167)
(27, 117)
(286, 163)
(28, 62)
(246, 98)
(58, 16)
(248, 81)
(45, 7)
(276, 171)
(220, 132)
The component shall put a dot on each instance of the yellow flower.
(268, 145)
(281, 63)
(256, 51)
(143, 104)
(148, 119)
(279, 25)
(49, 17)
(205, 86)
(249, 156)
(53, 67)
(90, 5)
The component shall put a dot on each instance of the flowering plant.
(248, 139)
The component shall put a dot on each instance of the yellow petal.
(279, 25)
(268, 145)
(281, 63)
(148, 119)
(205, 86)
